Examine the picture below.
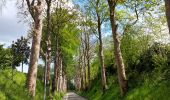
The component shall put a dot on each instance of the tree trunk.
(118, 55)
(56, 71)
(32, 71)
(22, 66)
(85, 77)
(84, 65)
(45, 77)
(101, 56)
(60, 76)
(48, 43)
(88, 56)
(64, 84)
(88, 66)
(167, 7)
(79, 72)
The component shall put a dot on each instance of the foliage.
(40, 72)
(5, 57)
(14, 89)
(152, 83)
(65, 33)
(147, 67)
(20, 51)
(58, 96)
(142, 33)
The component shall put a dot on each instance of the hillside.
(13, 88)
(148, 90)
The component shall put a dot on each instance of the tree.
(35, 8)
(2, 3)
(5, 57)
(87, 48)
(20, 52)
(98, 11)
(48, 45)
(167, 9)
(87, 31)
(117, 51)
(63, 39)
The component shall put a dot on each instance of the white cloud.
(10, 29)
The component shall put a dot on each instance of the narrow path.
(73, 96)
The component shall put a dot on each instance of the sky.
(10, 27)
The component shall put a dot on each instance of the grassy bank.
(12, 87)
(146, 91)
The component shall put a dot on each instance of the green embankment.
(148, 90)
(13, 88)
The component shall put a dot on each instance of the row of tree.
(97, 13)
(67, 31)
(58, 34)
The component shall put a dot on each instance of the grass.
(95, 93)
(15, 89)
(150, 92)
(146, 91)
(12, 88)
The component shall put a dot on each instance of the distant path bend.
(73, 96)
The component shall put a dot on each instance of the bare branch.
(32, 3)
(137, 16)
(28, 4)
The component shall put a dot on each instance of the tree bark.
(88, 56)
(45, 77)
(167, 10)
(60, 76)
(117, 52)
(48, 43)
(88, 66)
(101, 56)
(84, 63)
(83, 69)
(32, 71)
(22, 66)
(56, 70)
(80, 69)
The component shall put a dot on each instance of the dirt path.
(73, 96)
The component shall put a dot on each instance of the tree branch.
(28, 4)
(32, 3)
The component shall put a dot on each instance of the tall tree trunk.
(83, 76)
(45, 77)
(167, 7)
(118, 55)
(61, 75)
(56, 63)
(87, 48)
(84, 65)
(48, 43)
(81, 63)
(79, 70)
(64, 84)
(101, 56)
(56, 70)
(32, 72)
(88, 66)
